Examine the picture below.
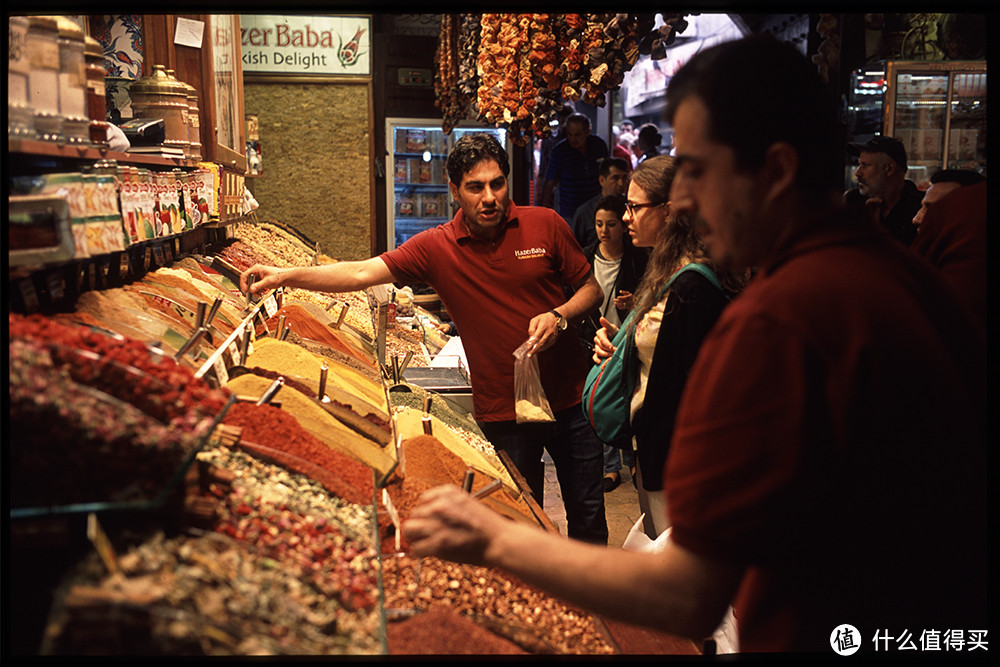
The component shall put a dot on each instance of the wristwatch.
(561, 323)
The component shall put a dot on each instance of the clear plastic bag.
(530, 404)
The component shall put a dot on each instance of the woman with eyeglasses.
(668, 325)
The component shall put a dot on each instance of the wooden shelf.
(92, 152)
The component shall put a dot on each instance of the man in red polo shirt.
(500, 270)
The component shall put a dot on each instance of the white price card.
(234, 353)
(220, 370)
(270, 306)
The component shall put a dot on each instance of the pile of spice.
(71, 443)
(414, 397)
(441, 631)
(209, 595)
(123, 367)
(293, 360)
(400, 340)
(358, 315)
(316, 420)
(534, 620)
(321, 350)
(275, 245)
(428, 463)
(292, 518)
(305, 321)
(275, 429)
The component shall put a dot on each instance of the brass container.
(20, 118)
(160, 95)
(72, 70)
(194, 123)
(43, 79)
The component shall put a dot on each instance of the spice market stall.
(243, 457)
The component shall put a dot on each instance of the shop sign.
(306, 45)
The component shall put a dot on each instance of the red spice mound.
(275, 429)
(172, 390)
(441, 631)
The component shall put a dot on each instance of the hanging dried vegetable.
(527, 64)
(449, 97)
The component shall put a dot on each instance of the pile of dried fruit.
(289, 570)
(71, 443)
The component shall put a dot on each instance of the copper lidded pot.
(160, 95)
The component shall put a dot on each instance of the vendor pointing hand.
(500, 270)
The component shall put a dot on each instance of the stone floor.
(621, 506)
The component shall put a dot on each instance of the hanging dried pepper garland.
(450, 96)
(527, 64)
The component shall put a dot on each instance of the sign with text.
(309, 45)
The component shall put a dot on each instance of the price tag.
(220, 370)
(146, 257)
(28, 294)
(123, 266)
(92, 274)
(57, 286)
(234, 353)
(105, 270)
(158, 255)
(168, 251)
(270, 306)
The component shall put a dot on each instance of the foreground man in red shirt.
(828, 462)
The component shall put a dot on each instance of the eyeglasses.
(632, 208)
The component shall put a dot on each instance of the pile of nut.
(537, 622)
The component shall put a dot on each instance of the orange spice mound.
(306, 325)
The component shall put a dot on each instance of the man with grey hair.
(883, 188)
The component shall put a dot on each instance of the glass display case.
(417, 182)
(938, 111)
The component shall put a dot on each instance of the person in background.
(952, 237)
(618, 266)
(612, 177)
(545, 154)
(499, 270)
(828, 462)
(667, 327)
(647, 143)
(573, 167)
(627, 141)
(620, 151)
(883, 189)
(944, 181)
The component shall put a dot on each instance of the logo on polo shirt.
(529, 253)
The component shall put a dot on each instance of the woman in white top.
(618, 266)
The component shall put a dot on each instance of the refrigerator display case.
(936, 108)
(938, 111)
(417, 191)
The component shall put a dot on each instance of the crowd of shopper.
(827, 461)
(813, 436)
